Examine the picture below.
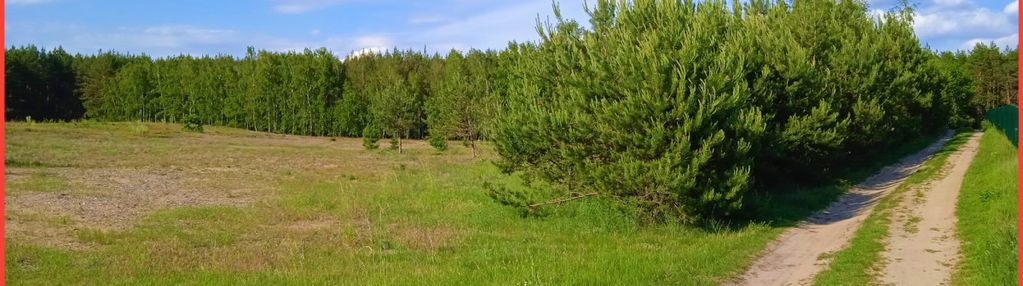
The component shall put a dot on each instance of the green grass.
(440, 232)
(987, 212)
(856, 264)
(302, 210)
(789, 204)
(329, 212)
(37, 182)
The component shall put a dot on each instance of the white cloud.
(363, 52)
(433, 27)
(1007, 41)
(170, 40)
(962, 21)
(958, 24)
(494, 28)
(303, 6)
(340, 46)
(362, 45)
(878, 14)
(373, 41)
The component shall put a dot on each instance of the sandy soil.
(922, 248)
(106, 199)
(801, 252)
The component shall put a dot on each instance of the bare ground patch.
(921, 247)
(801, 252)
(107, 199)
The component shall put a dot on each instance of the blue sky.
(164, 28)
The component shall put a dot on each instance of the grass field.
(987, 212)
(859, 262)
(133, 203)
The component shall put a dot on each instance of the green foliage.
(994, 72)
(438, 142)
(192, 123)
(678, 108)
(978, 80)
(40, 84)
(673, 108)
(987, 212)
(516, 199)
(464, 101)
(393, 109)
(613, 111)
(370, 136)
(308, 92)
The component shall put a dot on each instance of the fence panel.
(1006, 118)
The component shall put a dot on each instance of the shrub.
(370, 136)
(673, 108)
(659, 119)
(192, 123)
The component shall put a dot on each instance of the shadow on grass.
(15, 163)
(786, 205)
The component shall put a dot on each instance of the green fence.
(1006, 118)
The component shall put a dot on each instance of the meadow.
(134, 203)
(683, 138)
(148, 203)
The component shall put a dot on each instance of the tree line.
(394, 94)
(671, 107)
(986, 78)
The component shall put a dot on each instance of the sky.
(199, 27)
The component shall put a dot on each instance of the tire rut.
(803, 251)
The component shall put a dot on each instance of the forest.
(674, 109)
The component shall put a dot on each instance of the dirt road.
(803, 251)
(922, 247)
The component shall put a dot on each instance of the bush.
(674, 108)
(439, 142)
(370, 137)
(625, 122)
(192, 123)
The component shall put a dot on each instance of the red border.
(3, 40)
(1019, 176)
(3, 267)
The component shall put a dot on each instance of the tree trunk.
(472, 143)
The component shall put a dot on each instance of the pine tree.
(463, 101)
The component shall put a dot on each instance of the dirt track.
(922, 247)
(803, 251)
